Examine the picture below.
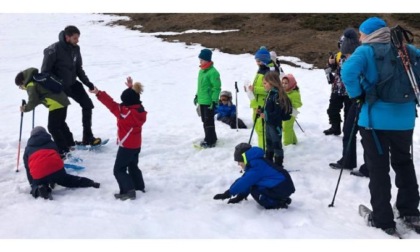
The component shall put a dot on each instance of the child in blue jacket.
(270, 185)
(226, 111)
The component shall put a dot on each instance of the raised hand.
(129, 82)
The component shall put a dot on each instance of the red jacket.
(41, 156)
(130, 120)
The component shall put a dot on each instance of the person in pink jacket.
(130, 116)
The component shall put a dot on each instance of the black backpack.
(393, 83)
(49, 82)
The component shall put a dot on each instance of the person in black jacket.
(63, 60)
(45, 167)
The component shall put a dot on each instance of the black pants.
(207, 117)
(62, 178)
(59, 129)
(78, 93)
(273, 135)
(337, 102)
(231, 121)
(349, 158)
(126, 170)
(396, 148)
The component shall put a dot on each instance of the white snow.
(180, 180)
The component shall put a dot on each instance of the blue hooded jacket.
(257, 173)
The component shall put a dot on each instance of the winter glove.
(90, 85)
(237, 199)
(195, 100)
(222, 196)
(213, 105)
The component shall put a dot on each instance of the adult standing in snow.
(44, 166)
(270, 185)
(64, 60)
(386, 129)
(265, 64)
(207, 96)
(348, 159)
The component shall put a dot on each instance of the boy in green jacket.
(207, 96)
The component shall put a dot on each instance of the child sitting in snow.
(226, 111)
(270, 185)
(292, 91)
(45, 167)
(130, 118)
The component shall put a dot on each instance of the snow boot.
(269, 155)
(125, 196)
(278, 161)
(334, 130)
(413, 222)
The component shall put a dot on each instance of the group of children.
(280, 98)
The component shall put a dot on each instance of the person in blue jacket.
(226, 111)
(270, 185)
(387, 133)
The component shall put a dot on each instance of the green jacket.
(209, 86)
(37, 94)
(294, 97)
(259, 91)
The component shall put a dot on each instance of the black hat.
(239, 150)
(350, 41)
(130, 97)
(37, 130)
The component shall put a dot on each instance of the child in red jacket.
(130, 118)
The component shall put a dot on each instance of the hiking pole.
(299, 125)
(347, 150)
(33, 118)
(236, 98)
(20, 136)
(253, 126)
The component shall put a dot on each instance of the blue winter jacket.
(359, 73)
(257, 173)
(225, 110)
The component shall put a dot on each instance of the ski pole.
(33, 118)
(299, 125)
(359, 105)
(253, 126)
(20, 136)
(236, 98)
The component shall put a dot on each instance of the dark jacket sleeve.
(79, 69)
(48, 62)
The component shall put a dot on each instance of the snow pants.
(126, 170)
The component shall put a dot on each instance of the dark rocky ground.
(309, 37)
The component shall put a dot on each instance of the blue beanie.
(372, 24)
(205, 54)
(263, 55)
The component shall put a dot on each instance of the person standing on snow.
(207, 96)
(265, 64)
(131, 116)
(292, 90)
(386, 129)
(64, 61)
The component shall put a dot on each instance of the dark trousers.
(207, 117)
(273, 140)
(59, 129)
(337, 102)
(78, 94)
(126, 170)
(349, 158)
(396, 148)
(231, 121)
(269, 198)
(62, 178)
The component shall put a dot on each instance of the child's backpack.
(393, 83)
(49, 82)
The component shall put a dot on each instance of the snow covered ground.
(180, 180)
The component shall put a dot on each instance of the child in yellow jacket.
(292, 91)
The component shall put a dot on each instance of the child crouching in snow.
(270, 185)
(44, 166)
(226, 111)
(130, 118)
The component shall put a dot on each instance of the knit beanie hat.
(131, 96)
(239, 150)
(263, 55)
(37, 130)
(205, 54)
(372, 24)
(350, 41)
